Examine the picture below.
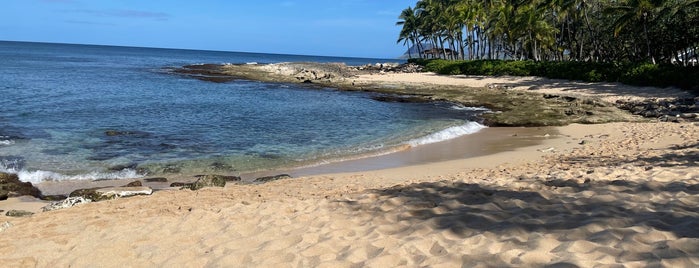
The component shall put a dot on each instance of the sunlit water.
(98, 112)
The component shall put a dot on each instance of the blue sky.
(359, 28)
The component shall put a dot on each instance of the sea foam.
(39, 176)
(448, 134)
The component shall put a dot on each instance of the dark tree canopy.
(662, 31)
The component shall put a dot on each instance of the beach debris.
(116, 192)
(11, 186)
(18, 213)
(207, 181)
(67, 203)
(547, 150)
(272, 178)
(5, 225)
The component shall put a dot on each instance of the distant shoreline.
(516, 101)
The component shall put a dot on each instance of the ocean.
(84, 112)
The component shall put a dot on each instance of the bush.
(638, 74)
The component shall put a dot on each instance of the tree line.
(656, 31)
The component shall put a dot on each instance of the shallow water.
(98, 112)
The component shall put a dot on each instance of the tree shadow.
(460, 206)
(597, 88)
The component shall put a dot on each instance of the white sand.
(606, 91)
(622, 193)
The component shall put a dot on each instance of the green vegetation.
(638, 74)
(601, 31)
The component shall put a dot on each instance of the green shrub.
(639, 74)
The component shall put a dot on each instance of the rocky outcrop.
(664, 110)
(11, 186)
(67, 203)
(272, 178)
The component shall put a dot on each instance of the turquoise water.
(97, 112)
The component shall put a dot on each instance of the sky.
(353, 28)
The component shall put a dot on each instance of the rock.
(155, 180)
(400, 99)
(123, 167)
(90, 193)
(272, 178)
(18, 213)
(226, 178)
(101, 194)
(208, 181)
(180, 184)
(10, 186)
(67, 203)
(59, 197)
(134, 184)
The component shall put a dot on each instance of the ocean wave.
(39, 176)
(7, 142)
(448, 134)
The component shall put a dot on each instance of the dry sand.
(609, 92)
(621, 193)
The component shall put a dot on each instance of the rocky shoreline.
(511, 108)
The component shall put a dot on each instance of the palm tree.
(632, 11)
(408, 33)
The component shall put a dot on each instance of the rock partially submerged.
(67, 203)
(11, 186)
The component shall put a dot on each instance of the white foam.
(41, 175)
(467, 108)
(7, 142)
(448, 134)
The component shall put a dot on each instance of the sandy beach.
(583, 196)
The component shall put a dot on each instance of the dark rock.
(123, 167)
(180, 184)
(90, 193)
(54, 197)
(208, 181)
(171, 169)
(155, 180)
(400, 99)
(107, 193)
(134, 184)
(10, 185)
(226, 178)
(221, 166)
(115, 133)
(18, 213)
(272, 178)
